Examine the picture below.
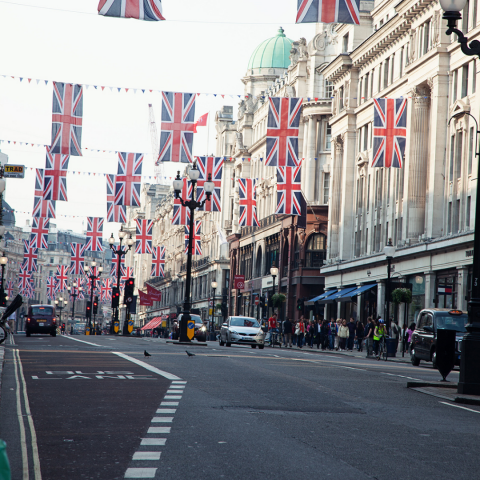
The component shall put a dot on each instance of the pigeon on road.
(190, 354)
(146, 353)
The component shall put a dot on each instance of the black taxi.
(424, 338)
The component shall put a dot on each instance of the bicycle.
(382, 348)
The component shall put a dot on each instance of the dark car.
(200, 328)
(424, 338)
(41, 319)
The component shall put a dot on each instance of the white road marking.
(162, 419)
(174, 392)
(23, 442)
(178, 387)
(83, 341)
(402, 376)
(458, 406)
(148, 366)
(153, 441)
(159, 430)
(166, 410)
(176, 382)
(140, 473)
(173, 397)
(146, 456)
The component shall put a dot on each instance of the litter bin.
(4, 465)
(391, 347)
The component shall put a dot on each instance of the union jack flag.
(158, 262)
(210, 166)
(30, 256)
(127, 272)
(24, 280)
(94, 234)
(289, 191)
(247, 202)
(181, 214)
(51, 287)
(113, 271)
(67, 119)
(55, 184)
(129, 179)
(389, 131)
(9, 288)
(39, 235)
(150, 10)
(41, 207)
(62, 272)
(282, 132)
(77, 259)
(143, 236)
(197, 241)
(115, 213)
(328, 11)
(106, 290)
(80, 284)
(178, 123)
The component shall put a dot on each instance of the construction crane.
(155, 144)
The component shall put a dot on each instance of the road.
(96, 408)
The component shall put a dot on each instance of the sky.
(202, 47)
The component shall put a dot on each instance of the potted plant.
(278, 299)
(401, 295)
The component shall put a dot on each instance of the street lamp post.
(389, 251)
(92, 278)
(191, 204)
(119, 252)
(469, 381)
(214, 287)
(60, 304)
(3, 262)
(273, 273)
(74, 292)
(2, 189)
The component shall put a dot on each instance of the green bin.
(4, 465)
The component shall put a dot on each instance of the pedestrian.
(332, 333)
(351, 334)
(272, 328)
(337, 338)
(300, 332)
(311, 333)
(379, 333)
(359, 332)
(368, 335)
(318, 333)
(287, 332)
(395, 333)
(343, 333)
(409, 334)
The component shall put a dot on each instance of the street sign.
(239, 282)
(14, 171)
(191, 329)
(257, 301)
(211, 303)
(116, 326)
(130, 325)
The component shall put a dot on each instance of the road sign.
(211, 303)
(239, 282)
(257, 301)
(130, 325)
(191, 329)
(14, 171)
(116, 326)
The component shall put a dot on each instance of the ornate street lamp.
(74, 292)
(389, 251)
(469, 381)
(92, 278)
(191, 204)
(214, 287)
(60, 304)
(119, 252)
(2, 189)
(273, 273)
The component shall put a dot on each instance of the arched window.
(296, 255)
(315, 252)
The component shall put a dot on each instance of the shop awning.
(348, 296)
(336, 296)
(152, 323)
(320, 297)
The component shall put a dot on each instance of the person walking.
(409, 334)
(351, 334)
(300, 332)
(272, 328)
(359, 332)
(379, 333)
(337, 338)
(324, 333)
(368, 335)
(343, 333)
(395, 333)
(332, 333)
(287, 332)
(318, 333)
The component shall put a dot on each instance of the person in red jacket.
(272, 327)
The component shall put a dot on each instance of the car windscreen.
(243, 322)
(42, 310)
(448, 321)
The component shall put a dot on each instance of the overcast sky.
(203, 46)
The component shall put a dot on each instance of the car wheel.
(221, 342)
(261, 347)
(415, 361)
(254, 346)
(434, 359)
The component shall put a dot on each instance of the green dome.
(272, 53)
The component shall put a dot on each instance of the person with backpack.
(379, 333)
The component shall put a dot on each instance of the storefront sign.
(239, 282)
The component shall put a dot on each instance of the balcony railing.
(264, 222)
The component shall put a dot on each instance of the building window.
(471, 151)
(458, 155)
(392, 70)
(326, 187)
(467, 217)
(452, 156)
(345, 44)
(365, 87)
(454, 85)
(400, 66)
(296, 255)
(272, 253)
(385, 72)
(328, 89)
(474, 76)
(340, 95)
(426, 38)
(464, 81)
(328, 138)
(315, 253)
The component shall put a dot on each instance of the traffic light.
(88, 313)
(224, 309)
(95, 305)
(115, 297)
(129, 287)
(3, 297)
(300, 304)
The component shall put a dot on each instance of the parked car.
(424, 338)
(200, 328)
(41, 319)
(242, 331)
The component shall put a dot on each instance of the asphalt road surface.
(101, 410)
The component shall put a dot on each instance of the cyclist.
(272, 328)
(379, 334)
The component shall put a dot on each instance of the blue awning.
(320, 297)
(337, 295)
(349, 295)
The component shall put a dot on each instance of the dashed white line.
(153, 441)
(140, 473)
(166, 410)
(147, 366)
(463, 408)
(159, 430)
(173, 397)
(169, 404)
(146, 456)
(162, 419)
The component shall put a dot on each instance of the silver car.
(242, 331)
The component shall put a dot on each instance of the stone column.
(360, 306)
(381, 298)
(462, 287)
(335, 198)
(310, 160)
(417, 184)
(430, 278)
